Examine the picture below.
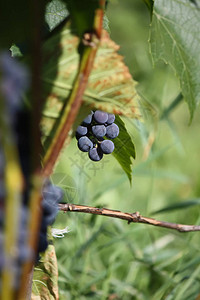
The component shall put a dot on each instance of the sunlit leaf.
(110, 88)
(111, 85)
(55, 13)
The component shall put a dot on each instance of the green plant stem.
(171, 107)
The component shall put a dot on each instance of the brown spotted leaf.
(45, 277)
(110, 88)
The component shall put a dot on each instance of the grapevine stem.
(171, 107)
(72, 106)
(130, 217)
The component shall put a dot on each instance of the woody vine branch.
(129, 217)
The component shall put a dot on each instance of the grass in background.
(103, 258)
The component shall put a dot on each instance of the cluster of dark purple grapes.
(52, 195)
(92, 132)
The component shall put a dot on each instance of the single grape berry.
(111, 119)
(50, 210)
(95, 154)
(52, 195)
(100, 117)
(112, 131)
(88, 120)
(81, 131)
(99, 131)
(85, 144)
(107, 146)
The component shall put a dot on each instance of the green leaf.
(124, 148)
(106, 23)
(16, 52)
(178, 205)
(45, 277)
(56, 12)
(110, 87)
(175, 39)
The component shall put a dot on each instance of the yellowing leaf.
(45, 278)
(110, 84)
(110, 88)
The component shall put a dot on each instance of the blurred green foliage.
(104, 258)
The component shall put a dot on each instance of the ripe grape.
(112, 131)
(100, 117)
(85, 144)
(88, 120)
(107, 146)
(111, 119)
(95, 154)
(51, 197)
(81, 131)
(52, 193)
(99, 130)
